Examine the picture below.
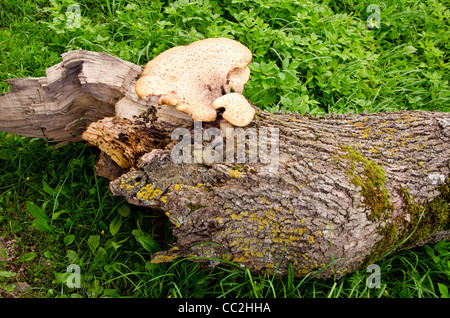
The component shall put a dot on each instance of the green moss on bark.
(371, 180)
(375, 199)
(429, 217)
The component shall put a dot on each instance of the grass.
(316, 57)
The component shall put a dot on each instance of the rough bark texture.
(349, 188)
(346, 191)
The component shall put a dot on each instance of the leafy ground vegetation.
(309, 56)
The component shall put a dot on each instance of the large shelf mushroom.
(200, 78)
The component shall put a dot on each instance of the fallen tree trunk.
(344, 189)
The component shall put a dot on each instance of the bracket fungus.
(237, 109)
(198, 78)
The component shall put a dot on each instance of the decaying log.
(341, 190)
(349, 187)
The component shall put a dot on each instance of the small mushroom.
(237, 109)
(192, 77)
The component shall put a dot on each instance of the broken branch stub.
(192, 77)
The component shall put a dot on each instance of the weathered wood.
(345, 189)
(85, 87)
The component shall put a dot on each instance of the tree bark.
(343, 191)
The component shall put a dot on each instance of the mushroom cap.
(238, 111)
(191, 77)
